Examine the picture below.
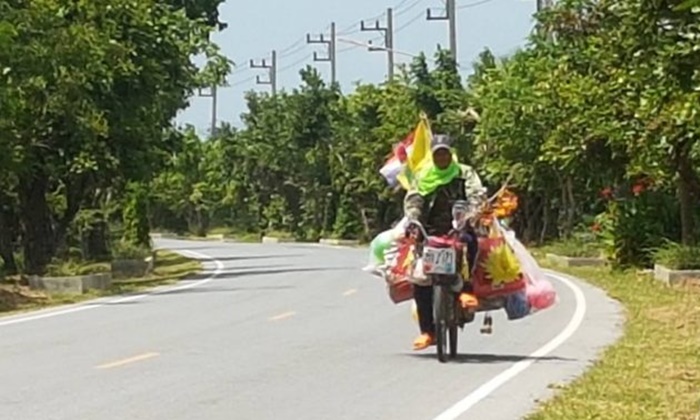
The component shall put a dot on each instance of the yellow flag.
(419, 155)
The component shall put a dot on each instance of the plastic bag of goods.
(517, 305)
(497, 271)
(381, 244)
(540, 291)
(398, 275)
(540, 294)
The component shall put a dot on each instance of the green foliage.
(122, 250)
(87, 90)
(606, 94)
(135, 214)
(579, 245)
(677, 256)
(75, 267)
(307, 161)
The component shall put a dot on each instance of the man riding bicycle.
(440, 186)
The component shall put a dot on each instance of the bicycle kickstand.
(487, 328)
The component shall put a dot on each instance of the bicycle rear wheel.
(441, 299)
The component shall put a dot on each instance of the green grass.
(170, 267)
(227, 232)
(678, 257)
(278, 234)
(575, 247)
(653, 372)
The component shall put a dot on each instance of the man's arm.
(473, 189)
(413, 205)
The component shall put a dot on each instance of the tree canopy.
(596, 119)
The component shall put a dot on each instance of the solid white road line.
(499, 380)
(18, 319)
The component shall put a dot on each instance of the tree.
(90, 88)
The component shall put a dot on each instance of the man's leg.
(467, 299)
(472, 242)
(423, 296)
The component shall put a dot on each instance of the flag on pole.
(409, 156)
(393, 167)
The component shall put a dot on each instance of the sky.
(255, 28)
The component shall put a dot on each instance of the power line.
(398, 6)
(300, 45)
(356, 46)
(476, 3)
(294, 64)
(410, 22)
(407, 8)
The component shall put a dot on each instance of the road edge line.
(98, 303)
(516, 369)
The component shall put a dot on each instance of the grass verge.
(170, 267)
(653, 372)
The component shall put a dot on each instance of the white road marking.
(18, 319)
(350, 292)
(283, 316)
(130, 360)
(499, 380)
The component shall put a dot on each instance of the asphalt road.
(285, 332)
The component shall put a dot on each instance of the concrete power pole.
(213, 95)
(330, 55)
(272, 72)
(544, 4)
(388, 32)
(451, 17)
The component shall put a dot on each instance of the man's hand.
(413, 214)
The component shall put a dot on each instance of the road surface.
(285, 332)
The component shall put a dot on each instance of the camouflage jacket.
(434, 211)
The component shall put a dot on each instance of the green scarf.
(431, 178)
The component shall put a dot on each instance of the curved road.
(285, 332)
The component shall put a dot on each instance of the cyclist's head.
(442, 155)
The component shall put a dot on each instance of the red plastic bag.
(400, 290)
(540, 293)
(397, 278)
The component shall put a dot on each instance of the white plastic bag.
(382, 244)
(540, 291)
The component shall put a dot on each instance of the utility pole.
(213, 95)
(271, 72)
(451, 17)
(388, 32)
(543, 4)
(331, 53)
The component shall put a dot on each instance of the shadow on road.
(183, 248)
(228, 289)
(258, 257)
(234, 272)
(476, 358)
(108, 303)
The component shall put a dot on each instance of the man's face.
(442, 158)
